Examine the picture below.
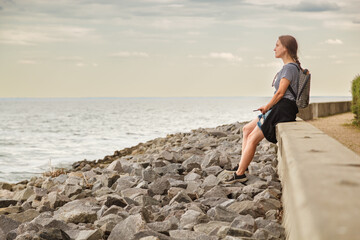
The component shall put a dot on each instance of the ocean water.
(39, 133)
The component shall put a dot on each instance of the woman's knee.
(247, 129)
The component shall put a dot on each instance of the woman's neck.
(287, 59)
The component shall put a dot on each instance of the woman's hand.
(263, 109)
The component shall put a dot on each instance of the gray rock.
(247, 207)
(26, 216)
(186, 234)
(211, 159)
(190, 218)
(24, 194)
(213, 170)
(149, 174)
(245, 222)
(191, 177)
(216, 191)
(78, 211)
(127, 228)
(90, 235)
(72, 190)
(209, 182)
(5, 186)
(221, 214)
(61, 179)
(7, 224)
(160, 186)
(53, 234)
(115, 166)
(210, 228)
(192, 162)
(269, 204)
(56, 200)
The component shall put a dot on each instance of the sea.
(40, 134)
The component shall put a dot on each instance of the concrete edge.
(321, 184)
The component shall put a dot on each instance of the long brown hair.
(291, 45)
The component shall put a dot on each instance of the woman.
(281, 108)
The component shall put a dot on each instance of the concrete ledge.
(321, 184)
(316, 110)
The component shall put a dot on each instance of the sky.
(172, 48)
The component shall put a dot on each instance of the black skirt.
(283, 111)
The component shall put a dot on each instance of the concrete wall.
(316, 110)
(321, 184)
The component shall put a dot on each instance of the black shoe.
(236, 178)
(236, 168)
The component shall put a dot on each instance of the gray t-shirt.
(291, 73)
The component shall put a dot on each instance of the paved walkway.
(338, 127)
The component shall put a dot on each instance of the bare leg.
(249, 151)
(247, 129)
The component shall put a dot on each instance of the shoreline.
(168, 188)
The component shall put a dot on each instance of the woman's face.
(279, 49)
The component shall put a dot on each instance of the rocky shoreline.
(166, 188)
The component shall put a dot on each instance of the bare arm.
(284, 84)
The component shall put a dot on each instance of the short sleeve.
(289, 72)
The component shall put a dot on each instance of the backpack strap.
(290, 88)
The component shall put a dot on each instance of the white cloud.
(44, 34)
(70, 58)
(334, 41)
(219, 55)
(27, 61)
(226, 56)
(269, 65)
(129, 54)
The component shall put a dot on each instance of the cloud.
(70, 58)
(226, 56)
(129, 54)
(334, 41)
(307, 6)
(44, 34)
(269, 65)
(80, 64)
(27, 61)
(220, 55)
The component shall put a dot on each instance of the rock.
(247, 207)
(181, 197)
(56, 200)
(190, 218)
(149, 174)
(160, 186)
(7, 202)
(53, 234)
(217, 134)
(5, 186)
(192, 162)
(269, 204)
(209, 182)
(24, 194)
(211, 159)
(186, 234)
(216, 191)
(245, 222)
(7, 224)
(78, 211)
(115, 166)
(114, 199)
(213, 170)
(11, 209)
(71, 190)
(127, 228)
(221, 214)
(90, 235)
(168, 156)
(210, 228)
(26, 216)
